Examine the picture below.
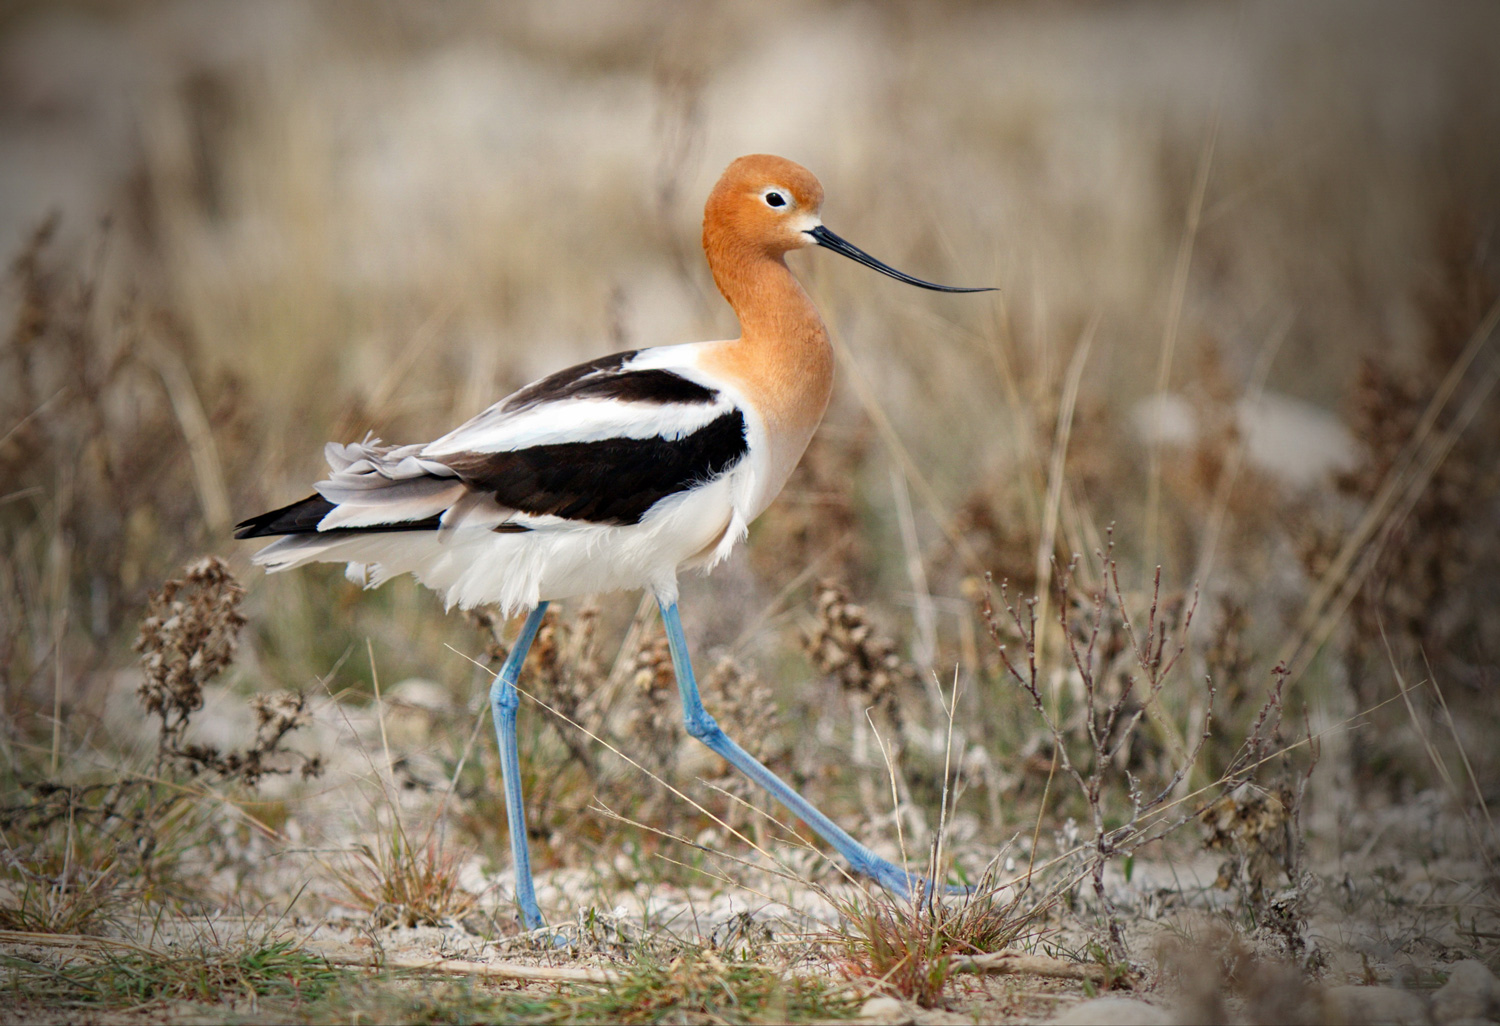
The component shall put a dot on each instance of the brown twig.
(1019, 963)
(488, 970)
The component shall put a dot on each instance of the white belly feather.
(476, 566)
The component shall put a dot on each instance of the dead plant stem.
(1174, 320)
(1313, 623)
(1046, 547)
(888, 434)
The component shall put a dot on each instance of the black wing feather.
(303, 518)
(603, 379)
(610, 481)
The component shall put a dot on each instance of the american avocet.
(615, 474)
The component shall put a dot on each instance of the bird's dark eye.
(775, 199)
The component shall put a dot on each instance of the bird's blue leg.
(703, 727)
(504, 700)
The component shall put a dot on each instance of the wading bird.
(616, 474)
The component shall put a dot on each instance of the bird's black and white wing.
(601, 443)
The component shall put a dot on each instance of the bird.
(617, 474)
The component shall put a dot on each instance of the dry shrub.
(565, 666)
(77, 849)
(1215, 965)
(1429, 573)
(1119, 665)
(1229, 659)
(652, 733)
(563, 669)
(1252, 822)
(1256, 821)
(654, 723)
(848, 647)
(746, 708)
(1004, 539)
(406, 884)
(739, 698)
(1261, 831)
(1213, 460)
(1118, 670)
(109, 444)
(188, 638)
(1429, 555)
(908, 948)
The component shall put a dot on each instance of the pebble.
(1118, 1011)
(1469, 995)
(885, 1010)
(888, 1011)
(1384, 1005)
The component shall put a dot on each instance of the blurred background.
(1242, 252)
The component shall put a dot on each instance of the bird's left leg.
(703, 727)
(504, 700)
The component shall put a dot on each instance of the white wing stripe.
(393, 511)
(375, 489)
(578, 420)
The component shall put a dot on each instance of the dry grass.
(81, 846)
(400, 882)
(913, 950)
(1118, 673)
(210, 974)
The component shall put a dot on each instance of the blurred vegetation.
(1248, 264)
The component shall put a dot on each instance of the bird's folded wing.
(602, 442)
(599, 443)
(624, 395)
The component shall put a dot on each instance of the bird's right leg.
(703, 727)
(504, 699)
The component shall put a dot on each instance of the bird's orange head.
(765, 206)
(762, 206)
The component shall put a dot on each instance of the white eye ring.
(776, 198)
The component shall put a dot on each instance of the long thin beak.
(828, 240)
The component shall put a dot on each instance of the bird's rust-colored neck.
(782, 359)
(769, 302)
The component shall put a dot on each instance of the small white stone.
(1117, 1011)
(1374, 1005)
(888, 1011)
(1469, 995)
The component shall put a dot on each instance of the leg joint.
(701, 725)
(504, 696)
